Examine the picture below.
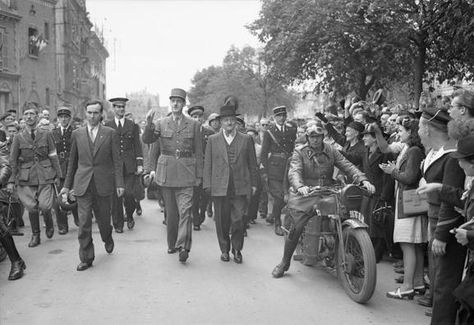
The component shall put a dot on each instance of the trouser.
(276, 190)
(178, 205)
(101, 205)
(127, 200)
(254, 202)
(298, 221)
(263, 202)
(229, 213)
(7, 242)
(61, 215)
(448, 274)
(200, 201)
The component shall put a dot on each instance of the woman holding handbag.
(409, 231)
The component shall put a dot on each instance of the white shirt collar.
(229, 138)
(122, 121)
(432, 156)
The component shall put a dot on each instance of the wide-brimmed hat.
(178, 92)
(435, 115)
(465, 148)
(227, 110)
(359, 127)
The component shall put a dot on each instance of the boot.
(290, 246)
(13, 230)
(278, 230)
(76, 216)
(18, 265)
(35, 228)
(48, 220)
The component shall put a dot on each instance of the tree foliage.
(245, 75)
(352, 45)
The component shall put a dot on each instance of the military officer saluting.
(35, 168)
(62, 138)
(131, 156)
(277, 146)
(179, 169)
(200, 198)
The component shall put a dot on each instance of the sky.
(160, 44)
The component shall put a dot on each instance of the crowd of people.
(235, 172)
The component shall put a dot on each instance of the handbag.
(413, 204)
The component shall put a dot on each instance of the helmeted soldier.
(200, 199)
(35, 168)
(277, 147)
(62, 138)
(179, 169)
(131, 154)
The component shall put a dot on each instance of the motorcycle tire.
(360, 277)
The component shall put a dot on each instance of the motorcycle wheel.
(360, 276)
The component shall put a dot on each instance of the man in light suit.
(95, 173)
(178, 169)
(131, 155)
(230, 176)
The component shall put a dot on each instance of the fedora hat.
(227, 110)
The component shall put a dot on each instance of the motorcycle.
(337, 238)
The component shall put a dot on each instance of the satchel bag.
(413, 204)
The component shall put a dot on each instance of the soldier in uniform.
(277, 147)
(35, 168)
(200, 199)
(131, 155)
(62, 137)
(179, 169)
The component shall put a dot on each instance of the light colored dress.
(408, 230)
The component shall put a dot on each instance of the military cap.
(465, 148)
(63, 110)
(12, 110)
(359, 127)
(196, 110)
(4, 116)
(213, 116)
(178, 92)
(279, 110)
(118, 100)
(252, 129)
(240, 121)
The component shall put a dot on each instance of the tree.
(244, 75)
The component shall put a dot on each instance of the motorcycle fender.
(354, 224)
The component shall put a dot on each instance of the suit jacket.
(217, 165)
(181, 156)
(130, 146)
(100, 164)
(374, 174)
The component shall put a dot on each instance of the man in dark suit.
(62, 138)
(230, 176)
(179, 169)
(200, 199)
(95, 173)
(131, 155)
(277, 146)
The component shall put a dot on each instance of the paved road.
(141, 284)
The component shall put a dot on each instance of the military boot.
(18, 265)
(280, 269)
(35, 228)
(48, 220)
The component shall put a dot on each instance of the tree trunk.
(365, 87)
(419, 72)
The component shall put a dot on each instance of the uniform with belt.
(35, 167)
(131, 155)
(179, 169)
(277, 147)
(62, 139)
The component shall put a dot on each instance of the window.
(2, 47)
(33, 41)
(46, 31)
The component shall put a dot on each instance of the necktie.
(92, 135)
(33, 134)
(120, 125)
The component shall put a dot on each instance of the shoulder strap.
(276, 142)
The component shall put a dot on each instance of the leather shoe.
(118, 230)
(16, 270)
(237, 257)
(197, 227)
(279, 231)
(84, 266)
(225, 257)
(269, 220)
(172, 250)
(425, 301)
(109, 245)
(130, 223)
(62, 231)
(139, 211)
(49, 232)
(279, 270)
(183, 255)
(429, 312)
(35, 240)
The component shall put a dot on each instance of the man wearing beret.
(131, 155)
(62, 138)
(230, 177)
(179, 169)
(200, 199)
(277, 146)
